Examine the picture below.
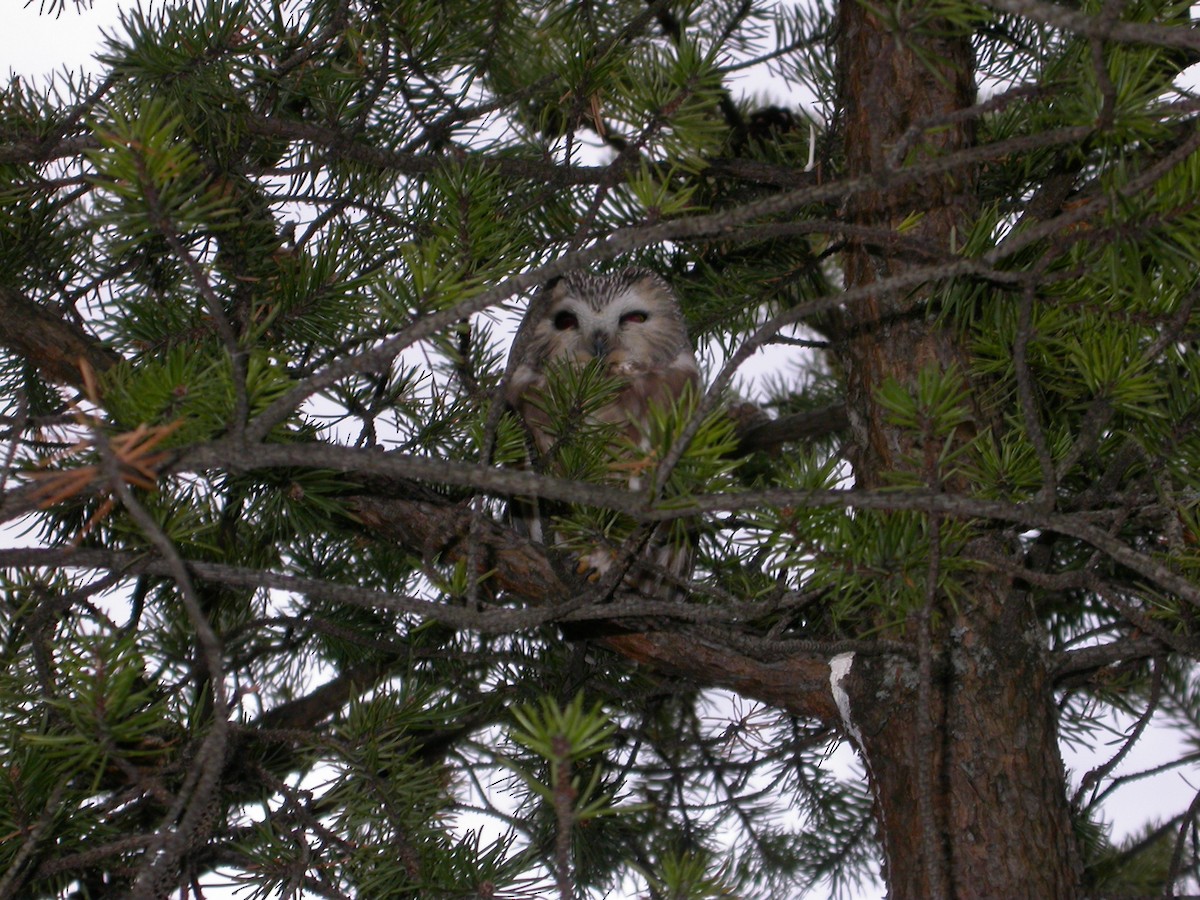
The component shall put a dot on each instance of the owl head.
(630, 321)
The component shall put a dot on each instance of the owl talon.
(594, 565)
(585, 569)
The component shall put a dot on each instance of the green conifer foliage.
(265, 619)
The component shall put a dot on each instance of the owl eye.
(564, 321)
(637, 317)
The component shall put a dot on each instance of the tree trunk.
(960, 743)
(969, 784)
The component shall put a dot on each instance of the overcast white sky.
(33, 44)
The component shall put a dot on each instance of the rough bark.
(961, 747)
(57, 347)
(979, 764)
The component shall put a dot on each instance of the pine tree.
(264, 619)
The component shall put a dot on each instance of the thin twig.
(1092, 778)
(1188, 824)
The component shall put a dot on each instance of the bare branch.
(1102, 26)
(811, 424)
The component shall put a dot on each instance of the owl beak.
(600, 346)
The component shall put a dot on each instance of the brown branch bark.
(319, 704)
(799, 685)
(1100, 26)
(1080, 665)
(803, 426)
(52, 344)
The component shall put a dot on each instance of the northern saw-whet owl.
(628, 329)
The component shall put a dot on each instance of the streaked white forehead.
(612, 304)
(598, 291)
